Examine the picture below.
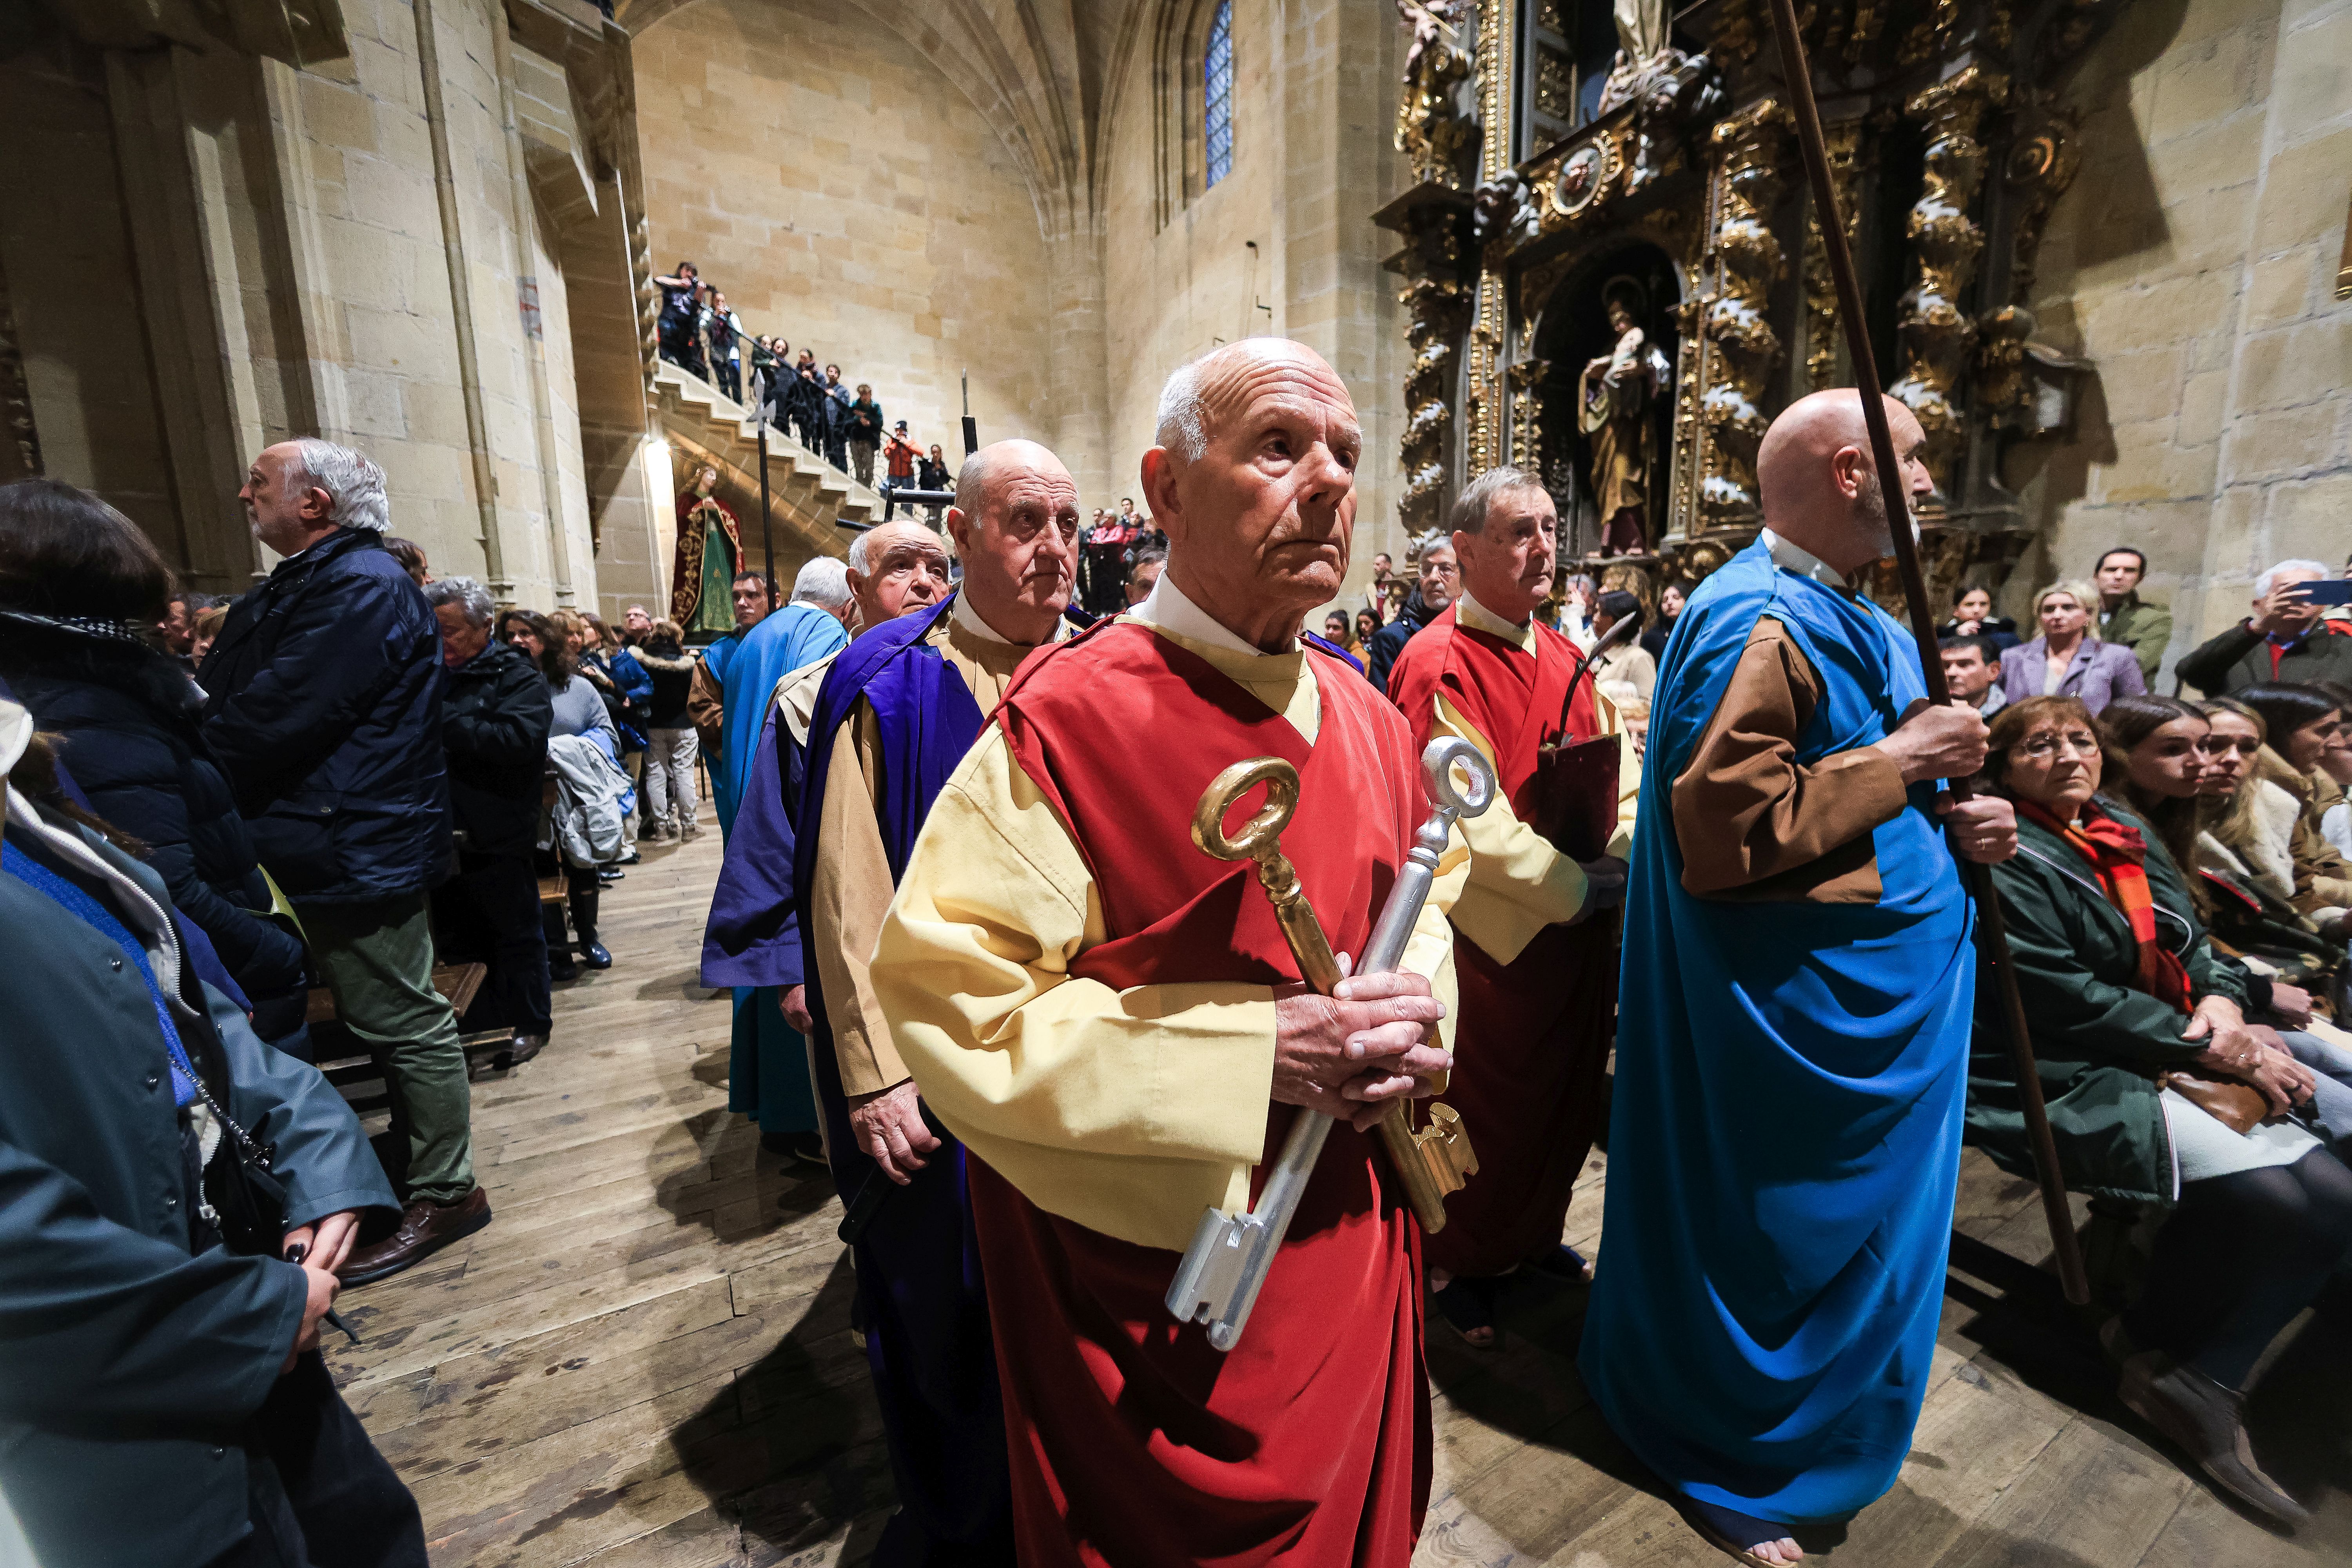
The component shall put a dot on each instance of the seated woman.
(2245, 870)
(1973, 617)
(577, 710)
(2159, 751)
(2334, 775)
(2304, 725)
(2136, 1022)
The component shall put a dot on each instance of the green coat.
(2142, 628)
(2097, 1041)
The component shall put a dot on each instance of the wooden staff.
(1992, 935)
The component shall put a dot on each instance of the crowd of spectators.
(700, 334)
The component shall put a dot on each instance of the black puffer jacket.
(325, 713)
(129, 720)
(494, 725)
(672, 672)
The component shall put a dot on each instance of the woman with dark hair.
(1626, 671)
(1972, 617)
(2159, 1095)
(1670, 607)
(2304, 725)
(79, 586)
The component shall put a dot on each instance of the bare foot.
(1784, 1550)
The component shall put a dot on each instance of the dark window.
(1217, 98)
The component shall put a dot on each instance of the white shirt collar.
(1470, 612)
(1802, 562)
(1167, 607)
(964, 615)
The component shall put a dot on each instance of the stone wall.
(1282, 245)
(847, 195)
(278, 263)
(2193, 261)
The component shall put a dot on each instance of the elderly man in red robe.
(1538, 978)
(1113, 1024)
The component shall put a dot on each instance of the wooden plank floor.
(647, 1358)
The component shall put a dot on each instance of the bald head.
(1254, 479)
(896, 569)
(1015, 524)
(1819, 486)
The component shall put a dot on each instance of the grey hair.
(1183, 422)
(2269, 580)
(825, 582)
(971, 482)
(352, 482)
(861, 551)
(1468, 513)
(472, 599)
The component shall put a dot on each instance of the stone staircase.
(808, 498)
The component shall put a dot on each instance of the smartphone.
(2328, 591)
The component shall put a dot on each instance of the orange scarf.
(2120, 858)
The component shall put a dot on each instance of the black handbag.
(245, 1199)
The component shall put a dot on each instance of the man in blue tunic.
(1792, 1045)
(769, 1079)
(753, 940)
(899, 708)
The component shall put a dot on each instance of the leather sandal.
(1735, 1534)
(1468, 1305)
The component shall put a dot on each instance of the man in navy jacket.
(325, 709)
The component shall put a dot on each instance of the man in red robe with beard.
(1537, 975)
(1112, 1023)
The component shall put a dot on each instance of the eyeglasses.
(2078, 743)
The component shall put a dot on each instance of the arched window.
(1217, 94)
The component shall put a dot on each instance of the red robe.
(1532, 1042)
(1132, 1441)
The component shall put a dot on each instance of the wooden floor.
(646, 1359)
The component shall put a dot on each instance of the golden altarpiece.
(1612, 272)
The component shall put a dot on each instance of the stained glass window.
(1217, 100)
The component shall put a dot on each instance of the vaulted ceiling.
(1046, 72)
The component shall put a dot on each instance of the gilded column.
(1843, 144)
(1751, 155)
(1938, 337)
(1490, 321)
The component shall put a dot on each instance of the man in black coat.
(494, 726)
(2287, 638)
(161, 1397)
(1441, 580)
(325, 709)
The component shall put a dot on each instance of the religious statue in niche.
(1431, 129)
(709, 553)
(1617, 397)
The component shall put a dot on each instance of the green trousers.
(377, 958)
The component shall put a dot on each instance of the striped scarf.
(2117, 854)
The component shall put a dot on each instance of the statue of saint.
(709, 553)
(1616, 399)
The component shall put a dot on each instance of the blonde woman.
(2066, 659)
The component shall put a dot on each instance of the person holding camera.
(175, 1198)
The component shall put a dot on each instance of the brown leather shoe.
(424, 1229)
(2208, 1422)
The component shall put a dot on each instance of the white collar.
(968, 618)
(1167, 607)
(1796, 559)
(1470, 612)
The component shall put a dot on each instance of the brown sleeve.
(703, 696)
(851, 893)
(2322, 879)
(1754, 825)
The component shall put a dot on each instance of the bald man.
(1111, 1022)
(896, 712)
(1793, 1032)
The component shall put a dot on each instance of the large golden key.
(1430, 1161)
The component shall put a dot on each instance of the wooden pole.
(1992, 935)
(767, 528)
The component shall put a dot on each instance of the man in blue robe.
(768, 1067)
(1793, 1034)
(898, 710)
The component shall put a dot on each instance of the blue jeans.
(2331, 1108)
